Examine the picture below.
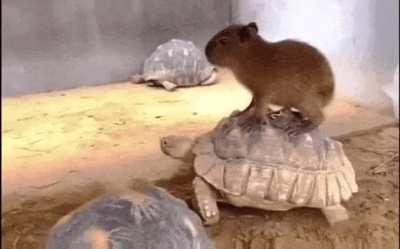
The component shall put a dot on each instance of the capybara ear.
(253, 26)
(248, 31)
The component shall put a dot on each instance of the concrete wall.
(58, 44)
(360, 37)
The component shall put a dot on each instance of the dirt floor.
(62, 149)
(374, 211)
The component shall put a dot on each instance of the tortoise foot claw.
(209, 212)
(205, 201)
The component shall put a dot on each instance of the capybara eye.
(223, 41)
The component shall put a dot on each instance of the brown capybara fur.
(288, 73)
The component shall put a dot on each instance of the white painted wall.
(392, 90)
(59, 44)
(360, 38)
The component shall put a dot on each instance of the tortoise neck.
(189, 157)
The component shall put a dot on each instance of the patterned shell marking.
(314, 172)
(177, 61)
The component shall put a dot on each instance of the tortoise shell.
(149, 218)
(177, 61)
(266, 168)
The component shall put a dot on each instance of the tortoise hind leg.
(137, 79)
(169, 85)
(335, 214)
(205, 201)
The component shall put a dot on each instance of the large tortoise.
(144, 218)
(265, 169)
(176, 63)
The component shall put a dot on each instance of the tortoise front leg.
(205, 200)
(210, 80)
(335, 214)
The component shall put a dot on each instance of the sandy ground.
(61, 149)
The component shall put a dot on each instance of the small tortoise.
(176, 63)
(265, 169)
(145, 218)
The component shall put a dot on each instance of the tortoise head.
(178, 147)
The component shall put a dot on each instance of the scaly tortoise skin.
(266, 170)
(176, 63)
(144, 218)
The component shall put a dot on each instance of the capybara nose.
(209, 48)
